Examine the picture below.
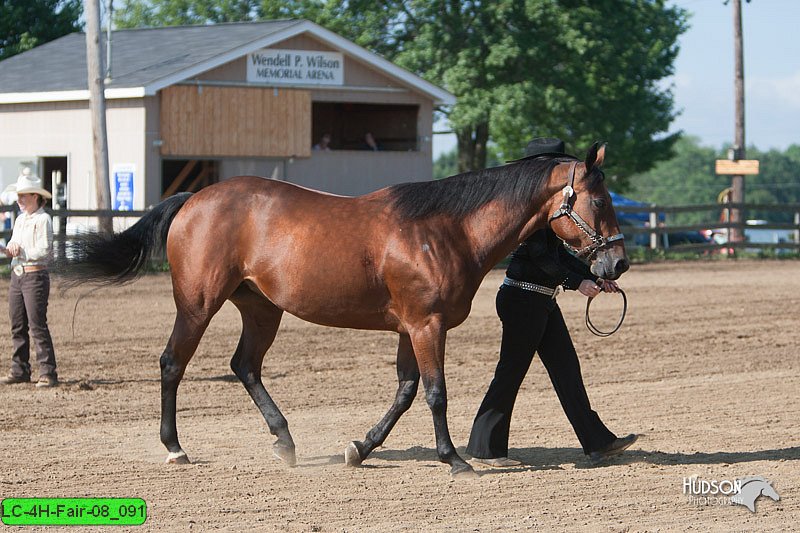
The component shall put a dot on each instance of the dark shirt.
(542, 259)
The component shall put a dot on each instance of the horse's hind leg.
(260, 321)
(408, 382)
(182, 344)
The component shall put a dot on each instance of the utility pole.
(737, 181)
(97, 106)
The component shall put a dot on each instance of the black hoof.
(462, 471)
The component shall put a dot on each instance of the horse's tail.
(103, 259)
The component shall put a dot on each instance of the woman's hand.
(608, 285)
(589, 288)
(13, 249)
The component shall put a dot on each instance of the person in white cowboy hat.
(30, 250)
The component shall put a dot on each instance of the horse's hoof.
(352, 454)
(462, 472)
(285, 454)
(178, 458)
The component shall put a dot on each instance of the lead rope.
(591, 327)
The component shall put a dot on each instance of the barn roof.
(147, 60)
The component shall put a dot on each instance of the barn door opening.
(182, 175)
(54, 179)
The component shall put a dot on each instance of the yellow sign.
(739, 167)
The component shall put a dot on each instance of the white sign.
(295, 67)
(123, 186)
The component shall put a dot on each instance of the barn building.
(190, 106)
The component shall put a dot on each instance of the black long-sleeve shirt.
(542, 259)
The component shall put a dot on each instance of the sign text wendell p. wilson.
(295, 67)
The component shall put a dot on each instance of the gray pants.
(27, 308)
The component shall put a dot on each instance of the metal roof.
(147, 60)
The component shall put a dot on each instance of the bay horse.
(407, 258)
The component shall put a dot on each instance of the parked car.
(675, 238)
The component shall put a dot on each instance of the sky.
(704, 70)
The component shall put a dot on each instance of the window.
(394, 127)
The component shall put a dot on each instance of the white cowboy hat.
(27, 183)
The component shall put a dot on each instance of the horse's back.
(311, 253)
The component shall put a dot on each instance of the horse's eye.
(599, 203)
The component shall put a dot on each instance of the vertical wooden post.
(97, 106)
(797, 228)
(737, 181)
(654, 227)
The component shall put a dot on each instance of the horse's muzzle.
(610, 266)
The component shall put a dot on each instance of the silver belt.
(533, 287)
(19, 270)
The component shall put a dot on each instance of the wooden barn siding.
(235, 121)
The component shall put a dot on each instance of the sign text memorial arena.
(293, 67)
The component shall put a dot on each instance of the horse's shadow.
(702, 458)
(538, 458)
(548, 457)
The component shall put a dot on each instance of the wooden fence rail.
(658, 230)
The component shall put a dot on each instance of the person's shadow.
(539, 458)
(545, 457)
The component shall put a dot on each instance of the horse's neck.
(495, 230)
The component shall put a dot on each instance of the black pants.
(27, 308)
(533, 323)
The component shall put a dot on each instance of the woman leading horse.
(408, 258)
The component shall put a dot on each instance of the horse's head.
(583, 217)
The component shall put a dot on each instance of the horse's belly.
(375, 321)
(336, 306)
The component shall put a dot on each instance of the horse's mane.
(462, 194)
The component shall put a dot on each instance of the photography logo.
(744, 491)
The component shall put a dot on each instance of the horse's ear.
(595, 156)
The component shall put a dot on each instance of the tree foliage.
(25, 24)
(689, 178)
(577, 69)
(445, 165)
(582, 70)
(153, 13)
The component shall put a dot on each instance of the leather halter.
(598, 241)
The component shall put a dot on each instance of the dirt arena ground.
(705, 368)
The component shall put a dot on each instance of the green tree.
(25, 24)
(446, 165)
(778, 182)
(685, 179)
(539, 67)
(154, 13)
(689, 178)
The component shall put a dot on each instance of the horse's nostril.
(622, 266)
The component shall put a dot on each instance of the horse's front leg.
(429, 341)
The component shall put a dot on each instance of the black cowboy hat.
(543, 146)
